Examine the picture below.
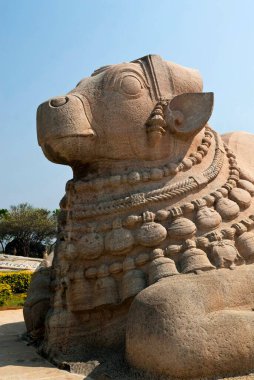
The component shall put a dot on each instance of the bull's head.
(130, 111)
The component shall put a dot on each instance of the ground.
(19, 361)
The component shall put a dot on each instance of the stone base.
(69, 338)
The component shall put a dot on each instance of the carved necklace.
(152, 174)
(182, 239)
(168, 192)
(226, 248)
(227, 202)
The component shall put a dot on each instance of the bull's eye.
(130, 85)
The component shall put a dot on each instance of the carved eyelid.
(116, 80)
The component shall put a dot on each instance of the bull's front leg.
(194, 326)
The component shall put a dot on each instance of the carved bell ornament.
(194, 259)
(180, 227)
(206, 217)
(227, 208)
(79, 293)
(160, 267)
(245, 242)
(150, 233)
(133, 280)
(92, 245)
(120, 240)
(223, 252)
(105, 288)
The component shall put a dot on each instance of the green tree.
(4, 236)
(28, 225)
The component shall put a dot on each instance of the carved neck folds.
(115, 240)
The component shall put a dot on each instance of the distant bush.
(36, 249)
(18, 281)
(5, 293)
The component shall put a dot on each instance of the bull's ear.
(188, 113)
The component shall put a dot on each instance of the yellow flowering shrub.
(18, 281)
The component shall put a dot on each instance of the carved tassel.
(156, 125)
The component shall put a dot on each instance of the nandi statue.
(155, 246)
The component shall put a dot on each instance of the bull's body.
(155, 193)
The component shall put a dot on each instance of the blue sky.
(47, 46)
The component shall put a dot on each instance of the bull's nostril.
(60, 101)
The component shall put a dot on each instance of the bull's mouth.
(89, 133)
(68, 148)
(86, 135)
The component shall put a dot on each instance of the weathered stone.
(155, 192)
(193, 326)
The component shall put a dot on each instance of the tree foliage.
(4, 236)
(28, 225)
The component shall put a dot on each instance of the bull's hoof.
(194, 326)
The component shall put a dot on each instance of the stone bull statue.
(155, 247)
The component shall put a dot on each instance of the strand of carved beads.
(160, 267)
(133, 280)
(244, 174)
(131, 221)
(246, 185)
(195, 157)
(209, 200)
(241, 197)
(155, 132)
(162, 215)
(194, 259)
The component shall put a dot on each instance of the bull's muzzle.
(62, 122)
